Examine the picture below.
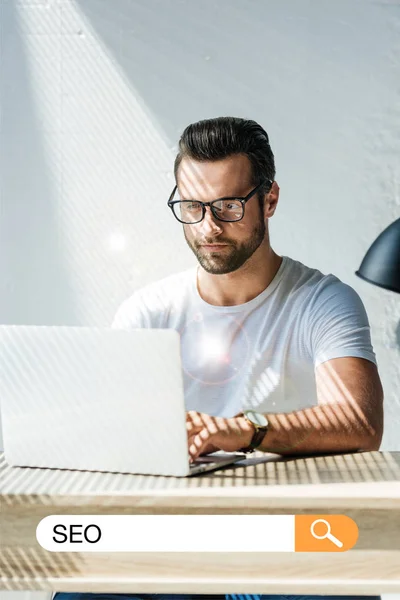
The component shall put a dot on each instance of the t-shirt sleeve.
(130, 314)
(338, 324)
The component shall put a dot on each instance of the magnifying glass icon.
(328, 535)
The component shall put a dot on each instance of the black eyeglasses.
(224, 209)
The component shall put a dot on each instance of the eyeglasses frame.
(243, 201)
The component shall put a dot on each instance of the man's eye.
(192, 206)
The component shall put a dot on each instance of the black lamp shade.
(381, 264)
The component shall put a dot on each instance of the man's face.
(234, 243)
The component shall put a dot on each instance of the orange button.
(324, 533)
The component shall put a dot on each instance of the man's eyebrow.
(215, 198)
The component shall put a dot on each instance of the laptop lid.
(93, 399)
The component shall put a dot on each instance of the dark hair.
(215, 139)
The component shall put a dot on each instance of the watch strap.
(256, 440)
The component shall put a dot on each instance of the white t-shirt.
(261, 354)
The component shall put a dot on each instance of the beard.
(230, 258)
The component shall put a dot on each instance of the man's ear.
(271, 201)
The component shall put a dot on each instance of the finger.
(199, 443)
(191, 438)
(212, 426)
(202, 435)
(199, 418)
(207, 449)
(194, 417)
(191, 427)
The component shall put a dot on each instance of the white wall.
(95, 94)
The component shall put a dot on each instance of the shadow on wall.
(185, 61)
(32, 264)
(184, 58)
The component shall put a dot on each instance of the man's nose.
(210, 223)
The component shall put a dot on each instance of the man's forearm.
(330, 427)
(322, 428)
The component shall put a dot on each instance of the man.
(258, 331)
(275, 354)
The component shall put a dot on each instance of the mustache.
(212, 242)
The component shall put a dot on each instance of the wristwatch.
(260, 424)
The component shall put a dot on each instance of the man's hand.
(206, 433)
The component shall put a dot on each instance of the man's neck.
(242, 285)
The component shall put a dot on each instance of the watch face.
(256, 418)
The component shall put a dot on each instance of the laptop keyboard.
(206, 460)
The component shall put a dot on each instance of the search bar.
(197, 533)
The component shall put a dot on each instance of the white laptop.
(96, 399)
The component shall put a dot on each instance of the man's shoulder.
(170, 282)
(322, 290)
(300, 275)
(147, 303)
(169, 287)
